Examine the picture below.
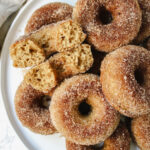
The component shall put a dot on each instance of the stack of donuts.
(96, 94)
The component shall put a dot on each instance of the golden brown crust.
(141, 131)
(120, 83)
(85, 130)
(145, 28)
(47, 14)
(30, 112)
(119, 140)
(122, 30)
(73, 146)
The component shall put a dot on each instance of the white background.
(8, 138)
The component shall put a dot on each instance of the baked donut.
(42, 77)
(125, 79)
(109, 24)
(145, 28)
(46, 76)
(47, 14)
(80, 112)
(119, 140)
(32, 49)
(32, 109)
(141, 131)
(78, 60)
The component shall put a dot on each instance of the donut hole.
(84, 108)
(139, 75)
(104, 16)
(43, 101)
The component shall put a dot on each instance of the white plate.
(12, 77)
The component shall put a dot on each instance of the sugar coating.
(122, 30)
(145, 28)
(29, 110)
(118, 81)
(89, 130)
(141, 131)
(119, 140)
(47, 14)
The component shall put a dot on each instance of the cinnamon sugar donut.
(109, 24)
(125, 79)
(141, 131)
(31, 109)
(78, 60)
(80, 112)
(145, 28)
(47, 14)
(119, 140)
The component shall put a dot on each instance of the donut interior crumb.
(59, 37)
(52, 38)
(26, 53)
(68, 35)
(77, 60)
(41, 77)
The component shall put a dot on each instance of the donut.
(141, 131)
(32, 110)
(125, 79)
(47, 14)
(34, 48)
(80, 112)
(46, 76)
(67, 64)
(119, 140)
(145, 28)
(42, 77)
(109, 24)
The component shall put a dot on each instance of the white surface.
(12, 77)
(8, 138)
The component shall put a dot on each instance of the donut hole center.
(139, 76)
(104, 16)
(44, 101)
(84, 108)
